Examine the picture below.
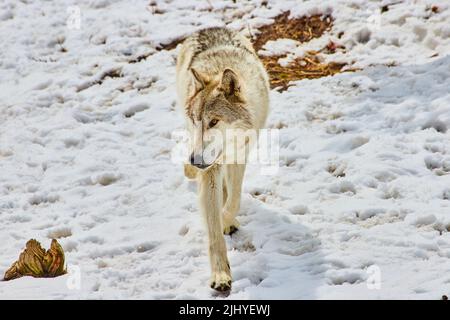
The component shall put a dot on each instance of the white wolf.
(222, 85)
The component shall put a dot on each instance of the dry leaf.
(36, 262)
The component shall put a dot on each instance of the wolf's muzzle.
(197, 161)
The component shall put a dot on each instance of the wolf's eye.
(212, 123)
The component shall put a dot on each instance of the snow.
(363, 187)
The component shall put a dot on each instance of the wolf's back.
(216, 37)
(212, 38)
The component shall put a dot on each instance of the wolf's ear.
(199, 80)
(230, 83)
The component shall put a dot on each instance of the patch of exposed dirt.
(170, 45)
(301, 29)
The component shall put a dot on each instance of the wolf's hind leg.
(210, 190)
(233, 177)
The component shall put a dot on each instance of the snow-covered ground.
(363, 189)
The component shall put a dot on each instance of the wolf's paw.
(221, 281)
(230, 226)
(190, 172)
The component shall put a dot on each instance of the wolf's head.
(216, 106)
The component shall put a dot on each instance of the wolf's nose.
(197, 161)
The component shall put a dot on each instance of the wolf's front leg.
(233, 180)
(210, 189)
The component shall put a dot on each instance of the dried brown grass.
(301, 68)
(301, 29)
